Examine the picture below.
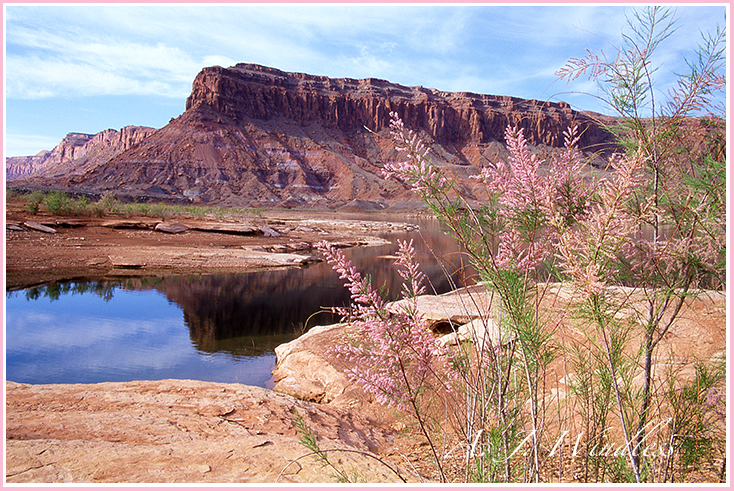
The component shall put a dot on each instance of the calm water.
(220, 328)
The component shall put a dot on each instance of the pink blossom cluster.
(585, 224)
(714, 405)
(590, 250)
(529, 202)
(418, 171)
(525, 199)
(394, 355)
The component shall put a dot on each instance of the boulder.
(171, 227)
(269, 232)
(484, 333)
(306, 370)
(443, 314)
(40, 228)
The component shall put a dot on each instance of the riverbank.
(66, 248)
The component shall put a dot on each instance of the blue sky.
(86, 68)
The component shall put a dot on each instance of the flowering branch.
(394, 357)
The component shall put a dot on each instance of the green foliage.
(698, 418)
(60, 203)
(57, 203)
(33, 201)
(108, 203)
(54, 291)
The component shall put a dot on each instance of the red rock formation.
(253, 92)
(16, 167)
(76, 154)
(257, 136)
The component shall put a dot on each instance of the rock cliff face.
(76, 154)
(16, 167)
(245, 92)
(257, 136)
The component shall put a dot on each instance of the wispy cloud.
(44, 64)
(158, 50)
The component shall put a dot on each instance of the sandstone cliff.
(257, 136)
(16, 167)
(76, 154)
(247, 91)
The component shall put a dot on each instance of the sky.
(86, 68)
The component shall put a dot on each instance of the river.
(218, 328)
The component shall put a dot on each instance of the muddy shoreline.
(97, 248)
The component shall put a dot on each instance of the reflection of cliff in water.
(259, 306)
(248, 314)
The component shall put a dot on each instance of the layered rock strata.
(258, 136)
(76, 154)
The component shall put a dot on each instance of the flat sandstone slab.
(224, 227)
(176, 431)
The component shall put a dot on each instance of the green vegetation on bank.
(59, 203)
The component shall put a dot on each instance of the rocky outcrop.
(16, 167)
(76, 154)
(175, 431)
(258, 136)
(305, 369)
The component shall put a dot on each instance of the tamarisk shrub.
(510, 238)
(394, 356)
(679, 204)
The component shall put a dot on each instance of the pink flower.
(394, 356)
(417, 172)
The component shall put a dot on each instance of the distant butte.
(258, 136)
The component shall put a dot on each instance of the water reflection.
(216, 327)
(104, 290)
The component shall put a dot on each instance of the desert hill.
(258, 136)
(76, 153)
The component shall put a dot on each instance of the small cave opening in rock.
(444, 327)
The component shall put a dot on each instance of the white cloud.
(42, 62)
